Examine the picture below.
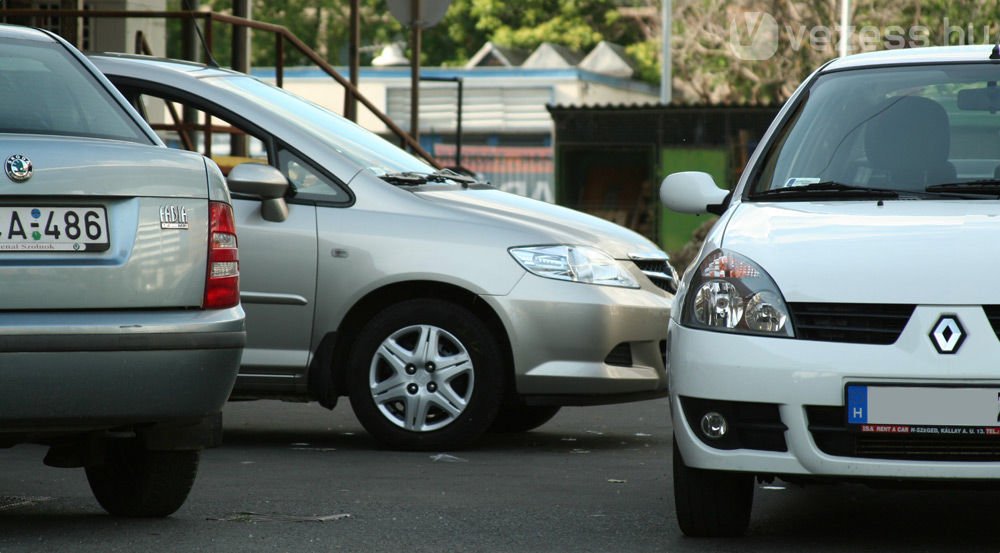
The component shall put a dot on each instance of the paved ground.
(295, 477)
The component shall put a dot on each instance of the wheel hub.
(421, 378)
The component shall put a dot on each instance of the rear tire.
(522, 418)
(137, 482)
(711, 503)
(425, 374)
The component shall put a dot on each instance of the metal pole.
(458, 126)
(354, 53)
(666, 94)
(845, 30)
(415, 70)
(279, 63)
(238, 143)
(190, 47)
(241, 38)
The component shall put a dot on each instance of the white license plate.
(53, 228)
(923, 409)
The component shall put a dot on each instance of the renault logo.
(18, 168)
(948, 334)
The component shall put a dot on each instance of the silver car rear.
(120, 325)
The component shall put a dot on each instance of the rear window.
(45, 90)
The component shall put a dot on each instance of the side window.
(187, 127)
(308, 181)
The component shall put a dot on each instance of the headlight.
(574, 263)
(730, 293)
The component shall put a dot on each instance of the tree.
(709, 60)
(708, 34)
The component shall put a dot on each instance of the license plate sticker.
(923, 409)
(53, 229)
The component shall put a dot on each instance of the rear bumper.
(77, 372)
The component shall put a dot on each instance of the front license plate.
(923, 409)
(53, 228)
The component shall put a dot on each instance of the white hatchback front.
(841, 321)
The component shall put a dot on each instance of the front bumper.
(563, 334)
(80, 371)
(799, 377)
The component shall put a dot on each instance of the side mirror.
(692, 192)
(265, 182)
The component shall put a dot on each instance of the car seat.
(907, 144)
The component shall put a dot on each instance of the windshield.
(904, 129)
(364, 147)
(45, 90)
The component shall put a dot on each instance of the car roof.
(109, 61)
(912, 56)
(24, 33)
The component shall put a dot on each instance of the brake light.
(222, 283)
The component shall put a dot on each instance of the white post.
(665, 65)
(845, 29)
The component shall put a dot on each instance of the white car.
(841, 321)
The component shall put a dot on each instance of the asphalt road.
(295, 477)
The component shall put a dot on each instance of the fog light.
(714, 425)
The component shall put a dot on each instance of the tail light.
(222, 283)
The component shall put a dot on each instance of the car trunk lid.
(101, 224)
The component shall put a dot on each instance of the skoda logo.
(947, 334)
(18, 168)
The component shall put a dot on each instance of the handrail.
(282, 35)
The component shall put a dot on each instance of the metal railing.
(281, 36)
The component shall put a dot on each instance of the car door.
(277, 259)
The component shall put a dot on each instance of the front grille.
(658, 271)
(856, 323)
(620, 356)
(829, 430)
(993, 314)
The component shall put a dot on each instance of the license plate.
(923, 409)
(53, 228)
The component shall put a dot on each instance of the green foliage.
(646, 55)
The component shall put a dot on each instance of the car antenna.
(201, 38)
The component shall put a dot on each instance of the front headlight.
(731, 293)
(574, 263)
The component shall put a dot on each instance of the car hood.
(908, 251)
(544, 222)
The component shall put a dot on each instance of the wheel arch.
(327, 377)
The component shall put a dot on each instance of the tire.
(522, 418)
(711, 503)
(411, 398)
(137, 482)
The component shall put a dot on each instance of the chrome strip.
(272, 299)
(662, 256)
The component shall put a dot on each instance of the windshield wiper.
(824, 190)
(404, 179)
(411, 178)
(444, 175)
(983, 187)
